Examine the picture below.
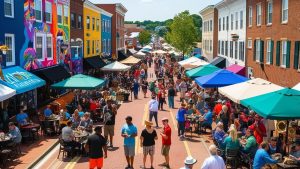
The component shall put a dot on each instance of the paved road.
(194, 146)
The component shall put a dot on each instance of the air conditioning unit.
(250, 72)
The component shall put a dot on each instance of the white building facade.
(209, 32)
(232, 31)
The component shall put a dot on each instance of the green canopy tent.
(80, 81)
(201, 71)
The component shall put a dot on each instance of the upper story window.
(258, 50)
(59, 14)
(284, 54)
(87, 22)
(227, 22)
(79, 22)
(236, 20)
(258, 14)
(10, 53)
(249, 43)
(73, 20)
(93, 23)
(241, 19)
(269, 51)
(250, 16)
(38, 10)
(66, 15)
(98, 25)
(269, 12)
(231, 22)
(48, 12)
(210, 25)
(219, 24)
(9, 8)
(285, 11)
(223, 23)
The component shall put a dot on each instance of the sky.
(158, 10)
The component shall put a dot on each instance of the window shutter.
(254, 50)
(262, 49)
(288, 53)
(296, 55)
(278, 53)
(272, 49)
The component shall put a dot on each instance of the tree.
(183, 32)
(144, 37)
(198, 23)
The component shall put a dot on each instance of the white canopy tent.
(195, 64)
(116, 66)
(189, 61)
(6, 92)
(250, 88)
(132, 51)
(139, 54)
(159, 52)
(147, 47)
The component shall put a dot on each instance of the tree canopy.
(144, 37)
(183, 32)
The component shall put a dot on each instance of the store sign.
(20, 79)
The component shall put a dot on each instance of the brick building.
(131, 35)
(209, 32)
(118, 30)
(273, 40)
(77, 34)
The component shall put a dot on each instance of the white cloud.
(146, 1)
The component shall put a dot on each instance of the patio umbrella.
(189, 61)
(195, 64)
(80, 81)
(219, 78)
(131, 60)
(116, 66)
(201, 71)
(248, 89)
(279, 105)
(240, 70)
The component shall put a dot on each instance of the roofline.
(91, 6)
(206, 8)
(104, 12)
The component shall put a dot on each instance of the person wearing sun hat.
(148, 137)
(189, 163)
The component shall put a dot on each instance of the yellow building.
(92, 29)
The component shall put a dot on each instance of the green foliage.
(198, 23)
(183, 32)
(144, 37)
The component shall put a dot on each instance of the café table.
(80, 135)
(5, 140)
(282, 165)
(30, 129)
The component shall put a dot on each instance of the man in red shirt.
(217, 108)
(259, 129)
(166, 141)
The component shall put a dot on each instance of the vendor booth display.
(116, 66)
(250, 88)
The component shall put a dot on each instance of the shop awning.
(80, 81)
(237, 69)
(250, 88)
(188, 61)
(21, 80)
(130, 60)
(201, 71)
(219, 61)
(121, 55)
(93, 62)
(6, 92)
(116, 66)
(195, 64)
(219, 78)
(52, 74)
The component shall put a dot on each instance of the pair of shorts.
(165, 149)
(148, 150)
(96, 162)
(109, 130)
(129, 151)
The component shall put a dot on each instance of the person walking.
(214, 161)
(180, 117)
(129, 132)
(171, 94)
(153, 109)
(95, 145)
(189, 163)
(136, 87)
(148, 138)
(166, 142)
(161, 98)
(110, 112)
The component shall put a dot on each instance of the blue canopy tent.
(219, 78)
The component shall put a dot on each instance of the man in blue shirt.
(207, 118)
(14, 133)
(48, 111)
(262, 157)
(129, 132)
(180, 117)
(22, 117)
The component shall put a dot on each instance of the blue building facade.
(106, 45)
(11, 31)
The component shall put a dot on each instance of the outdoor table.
(4, 141)
(28, 128)
(79, 135)
(282, 165)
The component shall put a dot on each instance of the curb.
(43, 155)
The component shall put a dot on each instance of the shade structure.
(297, 87)
(219, 78)
(189, 61)
(132, 51)
(131, 60)
(174, 53)
(201, 71)
(6, 92)
(80, 81)
(147, 47)
(219, 61)
(195, 64)
(139, 54)
(237, 69)
(248, 89)
(159, 52)
(279, 105)
(116, 66)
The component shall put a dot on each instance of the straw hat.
(190, 160)
(148, 123)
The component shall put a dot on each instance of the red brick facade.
(77, 9)
(276, 34)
